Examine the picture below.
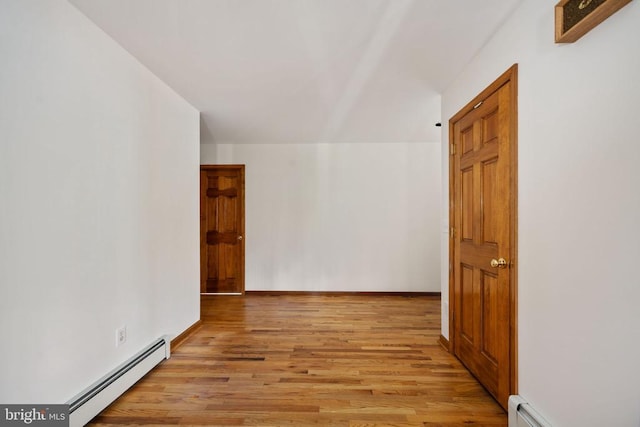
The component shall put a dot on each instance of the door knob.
(499, 263)
(239, 237)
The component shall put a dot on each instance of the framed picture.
(574, 18)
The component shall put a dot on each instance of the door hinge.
(452, 149)
(452, 232)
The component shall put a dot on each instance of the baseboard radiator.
(95, 398)
(521, 414)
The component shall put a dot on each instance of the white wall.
(99, 204)
(339, 217)
(579, 205)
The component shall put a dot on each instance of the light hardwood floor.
(299, 360)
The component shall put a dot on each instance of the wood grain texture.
(302, 360)
(177, 341)
(222, 213)
(591, 20)
(483, 206)
(444, 343)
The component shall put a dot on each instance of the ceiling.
(305, 71)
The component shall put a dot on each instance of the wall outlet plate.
(121, 336)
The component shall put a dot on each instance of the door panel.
(490, 308)
(467, 300)
(489, 194)
(467, 202)
(222, 229)
(482, 196)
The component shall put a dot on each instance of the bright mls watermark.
(34, 415)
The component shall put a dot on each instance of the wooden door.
(483, 237)
(222, 229)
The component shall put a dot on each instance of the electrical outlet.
(121, 336)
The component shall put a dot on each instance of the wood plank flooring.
(301, 360)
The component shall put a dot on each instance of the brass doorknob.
(499, 263)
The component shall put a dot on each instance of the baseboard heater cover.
(521, 414)
(95, 398)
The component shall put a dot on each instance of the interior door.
(222, 229)
(483, 196)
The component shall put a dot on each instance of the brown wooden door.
(483, 192)
(222, 229)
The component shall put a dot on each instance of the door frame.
(241, 167)
(511, 75)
